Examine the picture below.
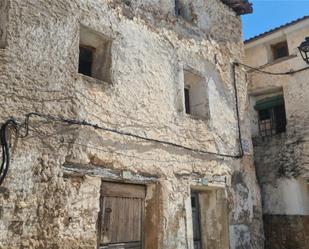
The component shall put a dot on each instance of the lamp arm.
(304, 55)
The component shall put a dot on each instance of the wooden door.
(121, 216)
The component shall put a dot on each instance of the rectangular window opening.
(184, 9)
(195, 95)
(95, 59)
(280, 50)
(271, 115)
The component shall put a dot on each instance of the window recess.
(271, 115)
(280, 50)
(184, 9)
(95, 58)
(195, 95)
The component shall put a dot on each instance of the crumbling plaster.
(41, 206)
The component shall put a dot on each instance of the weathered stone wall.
(45, 204)
(286, 232)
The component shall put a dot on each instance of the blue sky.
(268, 14)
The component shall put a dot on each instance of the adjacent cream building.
(280, 131)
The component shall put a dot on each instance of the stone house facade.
(279, 121)
(161, 164)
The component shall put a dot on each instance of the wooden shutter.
(122, 211)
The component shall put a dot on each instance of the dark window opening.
(177, 8)
(195, 95)
(280, 50)
(85, 60)
(187, 101)
(272, 116)
(196, 221)
(184, 9)
(95, 55)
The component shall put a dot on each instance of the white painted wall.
(289, 197)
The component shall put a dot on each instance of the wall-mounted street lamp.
(304, 50)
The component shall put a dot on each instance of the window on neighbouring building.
(271, 115)
(209, 219)
(94, 55)
(280, 50)
(195, 95)
(121, 218)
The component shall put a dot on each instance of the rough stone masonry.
(142, 57)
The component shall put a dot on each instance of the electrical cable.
(11, 122)
(123, 133)
(4, 168)
(270, 73)
(237, 112)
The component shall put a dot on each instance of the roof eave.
(274, 30)
(241, 7)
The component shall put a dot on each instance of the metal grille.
(272, 121)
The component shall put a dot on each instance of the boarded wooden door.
(122, 215)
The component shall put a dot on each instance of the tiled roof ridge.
(271, 31)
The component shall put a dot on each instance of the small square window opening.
(195, 95)
(95, 58)
(280, 50)
(184, 9)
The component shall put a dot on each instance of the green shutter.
(269, 102)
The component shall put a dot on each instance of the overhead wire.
(119, 132)
(4, 133)
(25, 125)
(291, 72)
(100, 148)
